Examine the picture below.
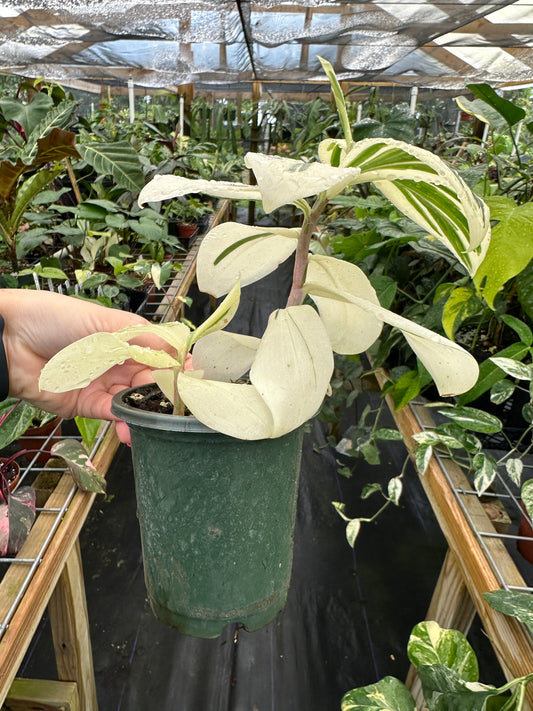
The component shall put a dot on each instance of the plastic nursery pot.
(186, 230)
(217, 520)
(12, 473)
(37, 438)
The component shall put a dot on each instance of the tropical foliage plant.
(291, 365)
(448, 669)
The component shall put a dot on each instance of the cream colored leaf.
(164, 187)
(231, 251)
(293, 366)
(174, 333)
(233, 409)
(152, 358)
(224, 356)
(220, 318)
(350, 328)
(165, 380)
(452, 368)
(83, 361)
(285, 180)
(420, 185)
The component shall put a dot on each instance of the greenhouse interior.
(266, 355)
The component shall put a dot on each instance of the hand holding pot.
(38, 324)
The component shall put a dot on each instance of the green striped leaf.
(423, 188)
(119, 160)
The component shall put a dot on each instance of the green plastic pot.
(217, 518)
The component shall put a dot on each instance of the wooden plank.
(510, 639)
(15, 640)
(42, 695)
(451, 606)
(70, 630)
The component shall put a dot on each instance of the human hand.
(38, 324)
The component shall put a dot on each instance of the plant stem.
(297, 294)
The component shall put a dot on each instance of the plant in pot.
(238, 404)
(186, 214)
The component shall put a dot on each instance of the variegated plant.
(291, 365)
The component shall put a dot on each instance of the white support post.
(414, 97)
(131, 95)
(359, 111)
(457, 122)
(182, 121)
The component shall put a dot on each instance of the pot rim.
(153, 420)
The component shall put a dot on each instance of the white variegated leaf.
(81, 362)
(224, 356)
(152, 358)
(232, 250)
(233, 409)
(452, 368)
(164, 187)
(174, 333)
(220, 318)
(293, 366)
(165, 380)
(350, 328)
(286, 180)
(423, 187)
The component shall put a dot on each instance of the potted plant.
(186, 215)
(256, 393)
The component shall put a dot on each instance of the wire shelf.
(507, 496)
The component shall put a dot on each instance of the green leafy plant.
(291, 365)
(448, 669)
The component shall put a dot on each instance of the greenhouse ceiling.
(224, 43)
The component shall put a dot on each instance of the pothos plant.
(448, 669)
(291, 365)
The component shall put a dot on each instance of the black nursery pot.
(217, 519)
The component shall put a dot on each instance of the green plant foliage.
(118, 159)
(511, 247)
(389, 694)
(431, 644)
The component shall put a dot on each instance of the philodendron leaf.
(286, 180)
(164, 187)
(452, 368)
(293, 366)
(223, 355)
(511, 247)
(389, 694)
(83, 472)
(221, 317)
(350, 328)
(423, 188)
(83, 361)
(431, 644)
(340, 101)
(233, 409)
(513, 603)
(231, 251)
(289, 379)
